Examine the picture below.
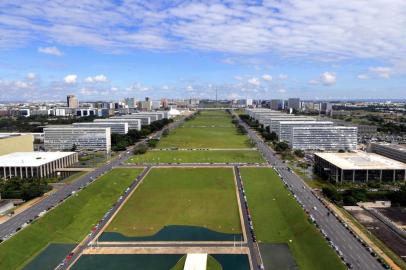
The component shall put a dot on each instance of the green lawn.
(212, 118)
(69, 222)
(221, 156)
(209, 129)
(278, 218)
(200, 137)
(203, 197)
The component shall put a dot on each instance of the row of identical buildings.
(382, 163)
(96, 135)
(304, 132)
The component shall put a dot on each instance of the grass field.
(210, 129)
(212, 156)
(278, 218)
(204, 137)
(69, 222)
(203, 197)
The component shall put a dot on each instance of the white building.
(116, 127)
(285, 127)
(273, 122)
(145, 120)
(69, 137)
(35, 164)
(324, 138)
(133, 123)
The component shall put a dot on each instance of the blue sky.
(179, 49)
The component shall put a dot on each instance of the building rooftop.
(287, 122)
(31, 159)
(8, 135)
(361, 161)
(398, 147)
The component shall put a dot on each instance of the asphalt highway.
(346, 244)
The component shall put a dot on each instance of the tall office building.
(285, 129)
(276, 104)
(64, 138)
(294, 103)
(130, 102)
(324, 138)
(72, 101)
(116, 127)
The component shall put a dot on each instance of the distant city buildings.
(294, 103)
(276, 104)
(72, 101)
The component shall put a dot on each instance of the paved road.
(352, 249)
(16, 222)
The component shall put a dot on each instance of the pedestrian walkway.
(196, 261)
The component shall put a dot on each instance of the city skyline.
(115, 49)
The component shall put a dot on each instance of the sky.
(112, 49)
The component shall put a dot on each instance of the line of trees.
(26, 189)
(352, 196)
(119, 142)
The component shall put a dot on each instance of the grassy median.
(69, 222)
(196, 156)
(209, 129)
(278, 218)
(204, 197)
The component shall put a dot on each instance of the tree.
(281, 147)
(74, 147)
(152, 143)
(332, 194)
(299, 153)
(140, 149)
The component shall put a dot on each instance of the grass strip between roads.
(69, 222)
(197, 156)
(278, 218)
(204, 197)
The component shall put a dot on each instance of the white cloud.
(31, 76)
(362, 77)
(383, 72)
(21, 84)
(238, 78)
(70, 79)
(254, 81)
(50, 50)
(267, 77)
(328, 78)
(282, 77)
(314, 82)
(282, 90)
(312, 28)
(96, 79)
